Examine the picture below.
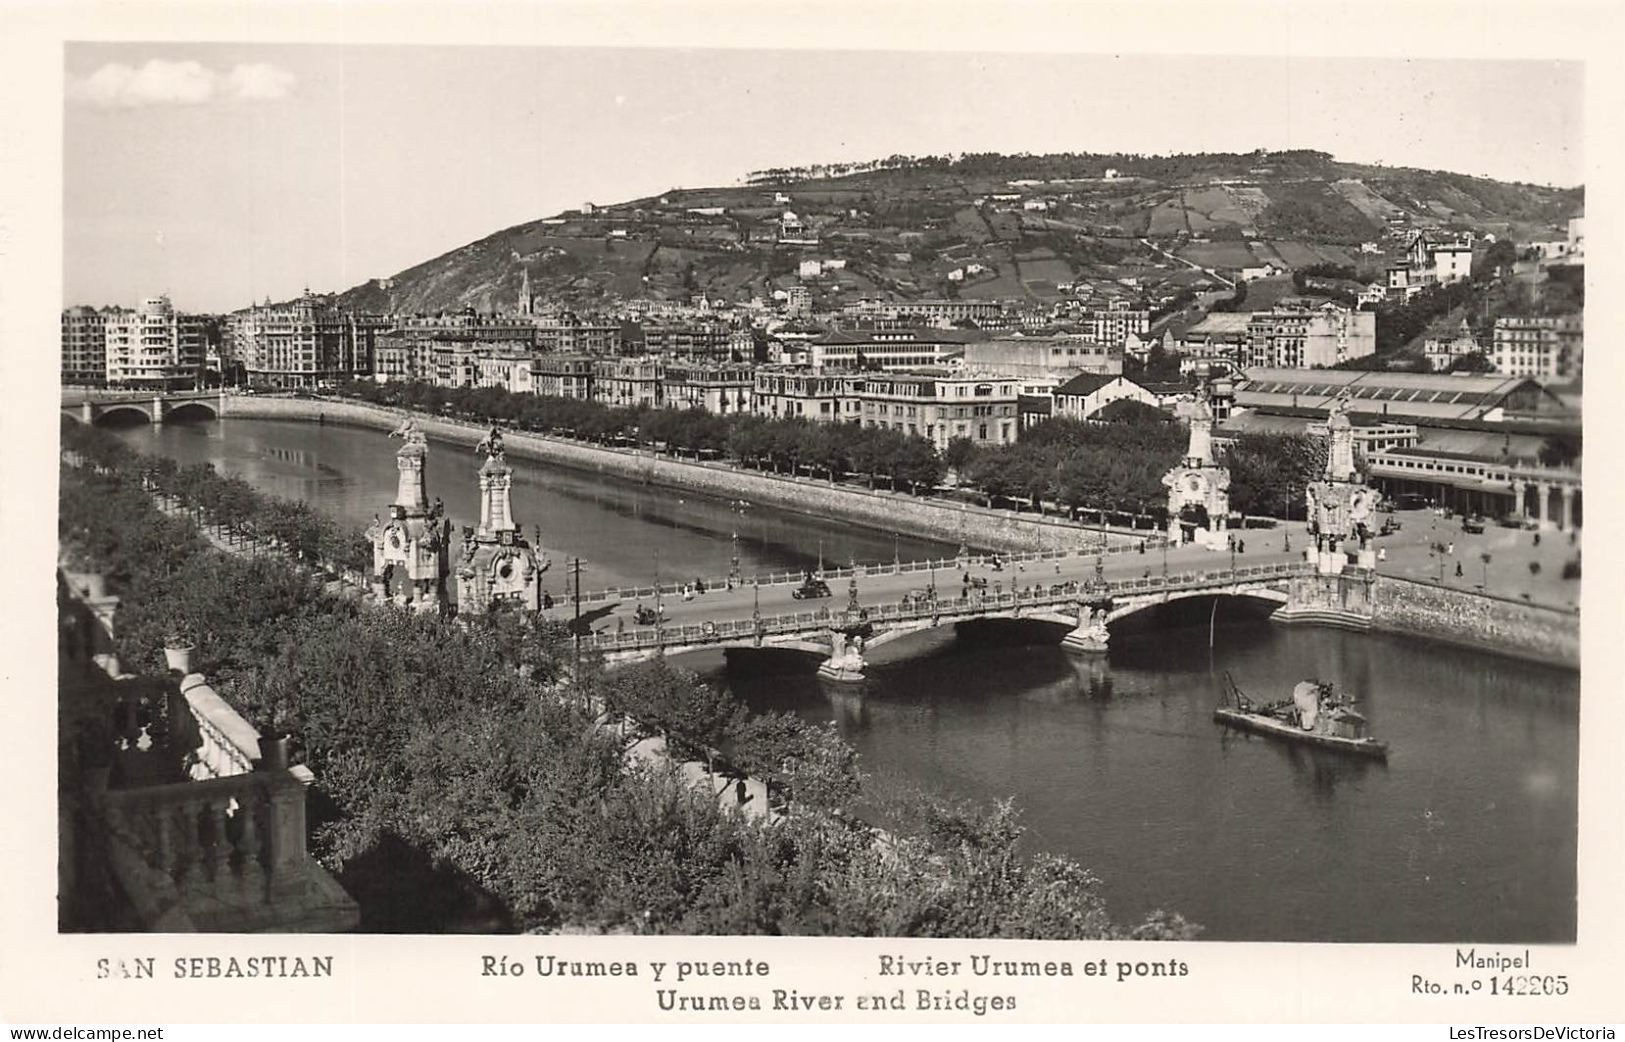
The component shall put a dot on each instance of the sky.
(222, 174)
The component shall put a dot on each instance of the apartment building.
(563, 376)
(1544, 348)
(1295, 335)
(84, 347)
(153, 346)
(569, 333)
(820, 396)
(722, 390)
(1043, 356)
(942, 405)
(446, 349)
(299, 343)
(629, 382)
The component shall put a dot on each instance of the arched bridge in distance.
(93, 407)
(840, 633)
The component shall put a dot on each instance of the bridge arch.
(1124, 609)
(122, 409)
(198, 408)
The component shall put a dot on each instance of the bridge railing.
(794, 578)
(1066, 594)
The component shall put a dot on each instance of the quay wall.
(882, 510)
(1509, 627)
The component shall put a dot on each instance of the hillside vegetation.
(1015, 226)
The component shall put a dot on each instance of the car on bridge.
(810, 589)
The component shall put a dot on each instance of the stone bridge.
(153, 406)
(841, 636)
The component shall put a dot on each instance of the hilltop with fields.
(977, 226)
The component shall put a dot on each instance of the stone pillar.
(86, 414)
(1091, 634)
(845, 663)
(285, 834)
(157, 409)
(1566, 518)
(1543, 492)
(496, 513)
(410, 491)
(1520, 492)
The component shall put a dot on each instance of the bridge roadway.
(1055, 588)
(879, 584)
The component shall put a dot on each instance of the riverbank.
(882, 511)
(1471, 618)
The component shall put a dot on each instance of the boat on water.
(1314, 715)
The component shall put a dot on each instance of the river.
(1467, 834)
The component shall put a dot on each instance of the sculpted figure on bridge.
(491, 444)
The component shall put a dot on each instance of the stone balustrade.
(228, 744)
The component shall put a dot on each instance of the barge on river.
(1314, 715)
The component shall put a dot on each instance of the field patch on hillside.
(1358, 195)
(1219, 255)
(1167, 218)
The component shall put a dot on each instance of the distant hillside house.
(794, 232)
(1083, 396)
(1441, 351)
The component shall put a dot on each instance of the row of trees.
(1115, 465)
(233, 504)
(1119, 467)
(791, 445)
(458, 760)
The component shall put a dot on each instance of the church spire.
(524, 290)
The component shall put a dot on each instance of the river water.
(1467, 834)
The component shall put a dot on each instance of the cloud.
(161, 82)
(260, 82)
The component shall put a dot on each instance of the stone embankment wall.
(882, 510)
(1510, 627)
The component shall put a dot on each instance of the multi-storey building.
(507, 368)
(938, 310)
(629, 382)
(1113, 323)
(722, 390)
(445, 349)
(1544, 348)
(568, 333)
(1430, 262)
(299, 343)
(153, 346)
(709, 339)
(562, 376)
(84, 347)
(941, 405)
(1299, 336)
(1043, 356)
(885, 348)
(821, 396)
